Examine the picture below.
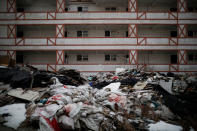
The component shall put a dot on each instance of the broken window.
(83, 57)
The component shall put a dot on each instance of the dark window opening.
(190, 9)
(79, 9)
(79, 33)
(19, 58)
(127, 9)
(79, 57)
(127, 34)
(65, 34)
(173, 59)
(173, 9)
(107, 33)
(82, 57)
(20, 10)
(191, 57)
(113, 9)
(66, 9)
(107, 57)
(19, 34)
(190, 33)
(173, 33)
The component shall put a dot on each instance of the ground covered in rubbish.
(32, 99)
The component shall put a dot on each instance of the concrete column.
(11, 54)
(182, 57)
(11, 31)
(59, 30)
(11, 5)
(59, 57)
(132, 30)
(182, 30)
(132, 5)
(182, 5)
(133, 59)
(60, 6)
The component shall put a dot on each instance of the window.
(110, 57)
(82, 9)
(173, 33)
(127, 34)
(20, 9)
(19, 34)
(173, 59)
(65, 34)
(193, 57)
(19, 58)
(82, 33)
(173, 9)
(79, 9)
(107, 34)
(66, 9)
(190, 33)
(127, 9)
(110, 9)
(83, 57)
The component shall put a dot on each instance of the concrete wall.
(94, 7)
(3, 6)
(38, 31)
(96, 59)
(155, 30)
(155, 57)
(37, 5)
(3, 31)
(37, 57)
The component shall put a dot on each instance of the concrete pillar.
(132, 5)
(59, 30)
(182, 57)
(132, 30)
(11, 54)
(182, 5)
(60, 6)
(133, 59)
(11, 31)
(59, 57)
(11, 5)
(182, 30)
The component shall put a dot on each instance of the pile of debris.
(124, 100)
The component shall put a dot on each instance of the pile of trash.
(124, 100)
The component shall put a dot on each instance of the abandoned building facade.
(100, 35)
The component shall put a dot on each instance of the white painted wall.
(155, 57)
(38, 31)
(37, 5)
(96, 59)
(94, 7)
(97, 33)
(39, 57)
(155, 31)
(3, 31)
(3, 6)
